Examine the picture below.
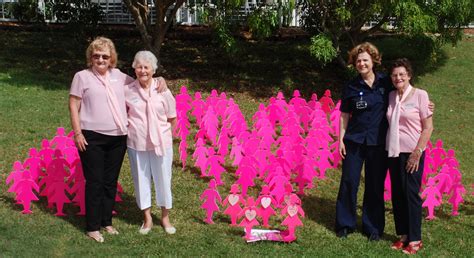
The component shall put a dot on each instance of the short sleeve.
(77, 86)
(424, 101)
(345, 101)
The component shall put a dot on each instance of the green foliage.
(322, 49)
(26, 11)
(224, 38)
(343, 20)
(82, 16)
(263, 22)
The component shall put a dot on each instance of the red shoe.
(398, 245)
(413, 248)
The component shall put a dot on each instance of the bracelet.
(419, 150)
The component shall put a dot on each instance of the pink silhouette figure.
(198, 106)
(289, 195)
(46, 153)
(312, 102)
(223, 142)
(15, 176)
(221, 105)
(60, 141)
(183, 100)
(387, 194)
(249, 220)
(438, 154)
(56, 193)
(305, 174)
(457, 191)
(246, 173)
(292, 209)
(275, 111)
(428, 167)
(78, 188)
(297, 101)
(211, 198)
(233, 201)
(214, 162)
(210, 124)
(334, 118)
(277, 184)
(327, 104)
(265, 202)
(183, 154)
(34, 164)
(236, 153)
(24, 191)
(444, 180)
(200, 155)
(432, 198)
(324, 156)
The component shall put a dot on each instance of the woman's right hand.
(342, 149)
(80, 141)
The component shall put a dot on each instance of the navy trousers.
(101, 163)
(373, 211)
(406, 200)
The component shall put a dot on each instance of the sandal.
(96, 236)
(111, 230)
(398, 245)
(413, 248)
(143, 230)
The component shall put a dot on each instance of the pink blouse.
(95, 113)
(136, 101)
(413, 110)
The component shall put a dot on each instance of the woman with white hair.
(151, 116)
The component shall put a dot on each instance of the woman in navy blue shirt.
(363, 128)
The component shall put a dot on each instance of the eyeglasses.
(402, 75)
(97, 56)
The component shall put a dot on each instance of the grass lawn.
(35, 73)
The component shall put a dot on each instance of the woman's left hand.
(413, 162)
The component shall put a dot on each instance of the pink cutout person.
(211, 197)
(326, 102)
(34, 164)
(15, 176)
(433, 198)
(24, 191)
(60, 141)
(233, 201)
(79, 187)
(249, 213)
(214, 162)
(265, 202)
(457, 191)
(292, 220)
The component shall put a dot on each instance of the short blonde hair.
(102, 44)
(365, 47)
(146, 56)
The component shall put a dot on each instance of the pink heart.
(250, 214)
(233, 199)
(265, 201)
(292, 210)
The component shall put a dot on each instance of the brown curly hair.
(365, 47)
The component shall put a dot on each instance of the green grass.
(34, 82)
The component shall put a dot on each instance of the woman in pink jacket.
(151, 116)
(410, 127)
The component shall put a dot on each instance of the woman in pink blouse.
(151, 116)
(410, 128)
(99, 121)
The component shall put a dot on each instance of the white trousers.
(146, 165)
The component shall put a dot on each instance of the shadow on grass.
(321, 210)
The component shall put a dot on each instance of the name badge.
(361, 104)
(134, 100)
(409, 105)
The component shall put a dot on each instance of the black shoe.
(374, 237)
(342, 233)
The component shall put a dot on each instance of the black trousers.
(406, 199)
(373, 210)
(101, 163)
